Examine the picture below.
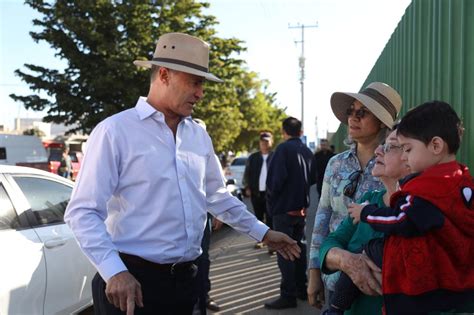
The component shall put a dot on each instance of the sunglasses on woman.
(359, 113)
(350, 188)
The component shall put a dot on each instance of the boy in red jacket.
(427, 256)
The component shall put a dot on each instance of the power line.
(302, 63)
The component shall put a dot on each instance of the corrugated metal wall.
(431, 56)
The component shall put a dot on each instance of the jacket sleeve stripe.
(408, 203)
(387, 220)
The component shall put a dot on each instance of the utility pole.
(301, 63)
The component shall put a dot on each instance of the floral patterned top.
(332, 208)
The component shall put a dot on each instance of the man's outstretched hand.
(283, 244)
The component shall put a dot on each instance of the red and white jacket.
(429, 248)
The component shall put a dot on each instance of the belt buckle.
(172, 268)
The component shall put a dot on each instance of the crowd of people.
(393, 229)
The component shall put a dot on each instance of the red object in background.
(55, 152)
(51, 144)
(55, 156)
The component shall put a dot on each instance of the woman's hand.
(315, 288)
(363, 272)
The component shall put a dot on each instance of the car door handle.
(55, 242)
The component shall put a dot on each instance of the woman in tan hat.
(348, 176)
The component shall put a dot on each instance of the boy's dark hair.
(432, 119)
(292, 126)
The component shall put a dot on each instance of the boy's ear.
(437, 145)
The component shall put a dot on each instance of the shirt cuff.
(314, 263)
(258, 231)
(110, 267)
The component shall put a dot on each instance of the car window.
(55, 155)
(48, 199)
(8, 217)
(73, 157)
(239, 162)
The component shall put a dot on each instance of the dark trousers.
(163, 292)
(204, 264)
(293, 273)
(259, 204)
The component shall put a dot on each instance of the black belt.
(166, 268)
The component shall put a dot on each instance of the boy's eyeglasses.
(359, 113)
(350, 188)
(387, 147)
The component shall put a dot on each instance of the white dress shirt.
(262, 179)
(152, 192)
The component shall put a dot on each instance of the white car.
(236, 170)
(42, 269)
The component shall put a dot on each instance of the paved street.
(244, 278)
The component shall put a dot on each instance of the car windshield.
(56, 155)
(73, 157)
(239, 161)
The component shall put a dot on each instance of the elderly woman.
(335, 252)
(348, 175)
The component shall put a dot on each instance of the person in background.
(319, 163)
(139, 206)
(288, 198)
(204, 262)
(255, 178)
(65, 165)
(348, 175)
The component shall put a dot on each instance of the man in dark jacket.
(288, 197)
(255, 178)
(319, 163)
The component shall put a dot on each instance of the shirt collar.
(145, 110)
(408, 178)
(351, 153)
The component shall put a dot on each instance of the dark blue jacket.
(288, 177)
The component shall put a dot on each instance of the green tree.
(99, 40)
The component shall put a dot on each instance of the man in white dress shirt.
(149, 175)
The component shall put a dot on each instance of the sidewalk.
(244, 278)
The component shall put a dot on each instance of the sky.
(339, 53)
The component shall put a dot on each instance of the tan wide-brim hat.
(380, 98)
(181, 52)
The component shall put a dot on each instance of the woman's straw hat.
(380, 98)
